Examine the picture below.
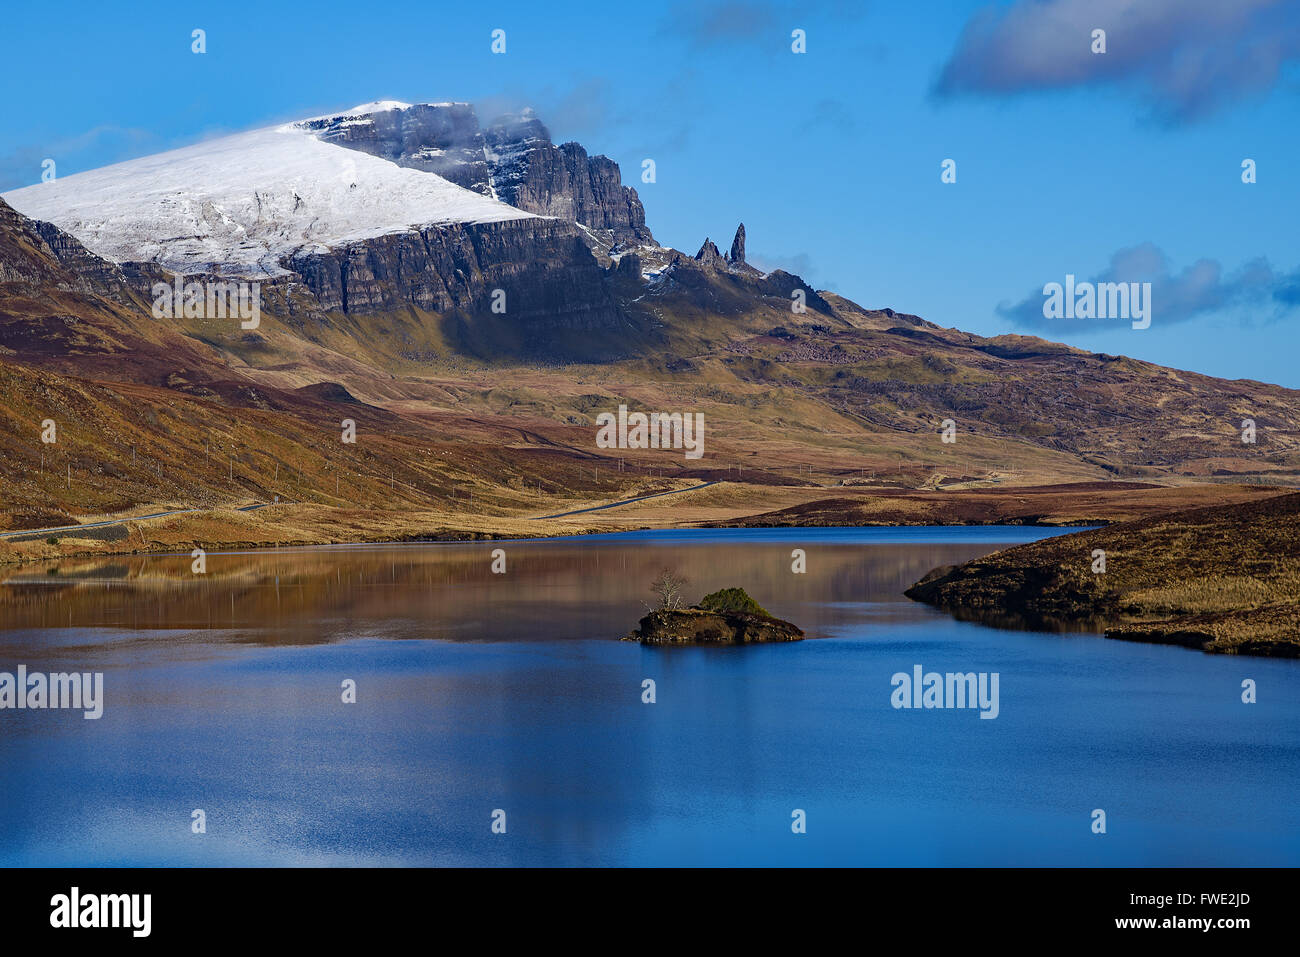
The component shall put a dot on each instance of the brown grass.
(1225, 578)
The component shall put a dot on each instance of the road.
(118, 521)
(626, 501)
(23, 533)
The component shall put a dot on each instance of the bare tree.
(668, 589)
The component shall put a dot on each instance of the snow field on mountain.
(238, 204)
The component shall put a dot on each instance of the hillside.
(1224, 579)
(382, 237)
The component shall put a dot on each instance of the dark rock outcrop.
(441, 138)
(39, 253)
(737, 254)
(534, 175)
(736, 258)
(629, 265)
(710, 256)
(512, 160)
(63, 307)
(1036, 597)
(696, 626)
(547, 273)
(708, 281)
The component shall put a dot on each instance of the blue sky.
(1125, 164)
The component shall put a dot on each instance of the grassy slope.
(829, 417)
(1224, 578)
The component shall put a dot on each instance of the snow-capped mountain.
(511, 159)
(244, 205)
(505, 241)
(240, 204)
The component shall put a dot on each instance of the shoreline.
(466, 538)
(252, 526)
(1222, 579)
(1040, 586)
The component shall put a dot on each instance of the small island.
(726, 617)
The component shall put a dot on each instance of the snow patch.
(239, 204)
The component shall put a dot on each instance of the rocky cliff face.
(567, 283)
(544, 267)
(738, 246)
(441, 138)
(93, 273)
(64, 308)
(736, 258)
(513, 160)
(725, 285)
(547, 278)
(533, 174)
(33, 252)
(709, 255)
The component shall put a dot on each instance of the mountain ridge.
(400, 329)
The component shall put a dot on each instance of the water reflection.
(591, 588)
(222, 692)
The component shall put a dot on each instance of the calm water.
(478, 692)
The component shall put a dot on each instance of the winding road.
(22, 533)
(626, 501)
(34, 532)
